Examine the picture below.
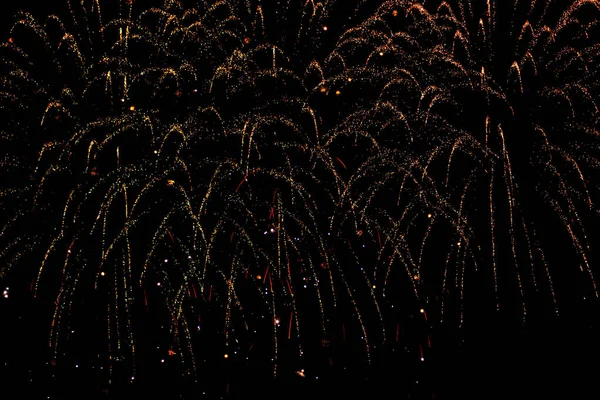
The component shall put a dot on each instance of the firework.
(287, 171)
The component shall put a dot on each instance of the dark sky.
(488, 359)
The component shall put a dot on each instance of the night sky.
(283, 199)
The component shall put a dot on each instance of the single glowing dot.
(374, 287)
(225, 355)
(132, 108)
(323, 89)
(416, 277)
(395, 13)
(155, 151)
(422, 359)
(325, 28)
(337, 92)
(102, 273)
(272, 230)
(10, 40)
(157, 283)
(349, 79)
(428, 215)
(381, 53)
(166, 260)
(258, 277)
(277, 321)
(162, 361)
(421, 311)
(458, 244)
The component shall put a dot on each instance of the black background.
(488, 358)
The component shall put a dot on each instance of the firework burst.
(286, 173)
